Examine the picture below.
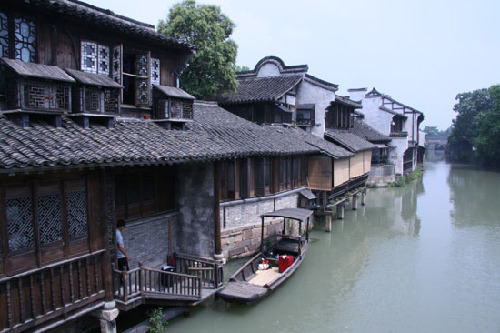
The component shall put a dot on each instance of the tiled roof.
(325, 147)
(89, 15)
(348, 140)
(92, 79)
(30, 69)
(367, 132)
(244, 137)
(214, 134)
(42, 144)
(347, 101)
(261, 89)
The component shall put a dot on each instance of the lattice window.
(20, 230)
(92, 99)
(103, 60)
(25, 34)
(4, 35)
(94, 58)
(40, 94)
(111, 100)
(76, 209)
(155, 71)
(142, 88)
(49, 218)
(117, 64)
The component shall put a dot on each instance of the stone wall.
(381, 175)
(194, 233)
(146, 240)
(241, 222)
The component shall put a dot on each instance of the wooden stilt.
(340, 211)
(328, 223)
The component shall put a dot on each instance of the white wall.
(308, 93)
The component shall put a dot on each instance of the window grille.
(19, 217)
(4, 36)
(49, 218)
(41, 94)
(25, 34)
(94, 58)
(76, 209)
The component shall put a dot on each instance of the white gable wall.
(269, 69)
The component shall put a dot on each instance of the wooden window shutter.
(340, 171)
(88, 56)
(320, 173)
(143, 79)
(117, 69)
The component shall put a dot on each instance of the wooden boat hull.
(241, 289)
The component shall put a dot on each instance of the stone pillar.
(340, 211)
(354, 202)
(363, 198)
(107, 317)
(328, 223)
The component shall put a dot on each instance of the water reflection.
(475, 195)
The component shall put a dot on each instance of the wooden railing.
(143, 282)
(56, 291)
(211, 278)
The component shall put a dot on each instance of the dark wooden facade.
(66, 58)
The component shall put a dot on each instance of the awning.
(291, 213)
(308, 194)
(173, 92)
(30, 69)
(91, 79)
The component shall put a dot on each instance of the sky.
(421, 53)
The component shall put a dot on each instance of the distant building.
(395, 120)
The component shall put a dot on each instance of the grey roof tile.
(367, 132)
(348, 140)
(260, 89)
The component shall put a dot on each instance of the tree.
(211, 70)
(242, 68)
(487, 141)
(465, 125)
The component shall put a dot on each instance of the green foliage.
(242, 68)
(211, 70)
(476, 132)
(487, 141)
(156, 323)
(465, 125)
(400, 182)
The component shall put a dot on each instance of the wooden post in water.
(328, 223)
(363, 197)
(354, 201)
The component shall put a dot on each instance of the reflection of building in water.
(474, 193)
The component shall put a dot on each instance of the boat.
(279, 257)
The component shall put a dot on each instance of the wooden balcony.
(193, 281)
(48, 296)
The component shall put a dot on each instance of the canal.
(425, 258)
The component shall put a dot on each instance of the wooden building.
(87, 101)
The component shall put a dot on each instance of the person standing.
(121, 254)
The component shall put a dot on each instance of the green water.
(424, 258)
